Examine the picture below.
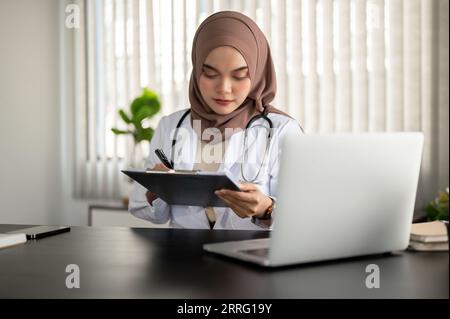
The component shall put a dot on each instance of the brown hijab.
(229, 28)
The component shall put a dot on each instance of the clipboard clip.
(173, 171)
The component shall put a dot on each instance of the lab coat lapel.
(233, 152)
(187, 147)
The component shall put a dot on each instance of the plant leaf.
(145, 134)
(118, 132)
(144, 113)
(443, 197)
(148, 100)
(124, 116)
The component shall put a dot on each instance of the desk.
(169, 263)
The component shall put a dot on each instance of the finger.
(160, 167)
(240, 211)
(239, 196)
(247, 187)
(244, 210)
(244, 187)
(231, 205)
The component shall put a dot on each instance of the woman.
(232, 83)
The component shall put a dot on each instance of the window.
(342, 65)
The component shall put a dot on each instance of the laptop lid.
(344, 195)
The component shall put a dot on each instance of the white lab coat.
(193, 216)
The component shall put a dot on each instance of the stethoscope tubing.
(253, 119)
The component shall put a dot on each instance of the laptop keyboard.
(260, 252)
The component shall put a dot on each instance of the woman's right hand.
(160, 167)
(151, 196)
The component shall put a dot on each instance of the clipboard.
(181, 187)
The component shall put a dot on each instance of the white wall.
(36, 133)
(29, 133)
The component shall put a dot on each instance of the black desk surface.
(165, 263)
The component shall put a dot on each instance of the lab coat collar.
(233, 152)
(185, 159)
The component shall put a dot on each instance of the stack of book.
(429, 236)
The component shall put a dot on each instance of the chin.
(223, 110)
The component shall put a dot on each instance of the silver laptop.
(339, 195)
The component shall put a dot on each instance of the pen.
(159, 152)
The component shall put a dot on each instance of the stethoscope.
(249, 124)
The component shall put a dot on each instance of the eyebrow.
(214, 69)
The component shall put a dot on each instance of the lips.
(223, 102)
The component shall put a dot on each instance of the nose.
(224, 86)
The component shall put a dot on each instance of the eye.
(210, 75)
(240, 76)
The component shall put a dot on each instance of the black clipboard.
(193, 188)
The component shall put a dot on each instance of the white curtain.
(342, 65)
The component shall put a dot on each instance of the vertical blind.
(342, 66)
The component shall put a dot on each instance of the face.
(224, 81)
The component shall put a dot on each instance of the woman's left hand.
(247, 203)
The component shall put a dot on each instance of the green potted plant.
(142, 108)
(438, 208)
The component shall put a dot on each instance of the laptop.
(339, 196)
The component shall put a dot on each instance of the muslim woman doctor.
(230, 126)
